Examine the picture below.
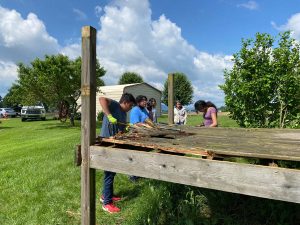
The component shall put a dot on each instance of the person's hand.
(112, 119)
(127, 128)
(149, 122)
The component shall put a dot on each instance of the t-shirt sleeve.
(134, 116)
(212, 110)
(144, 116)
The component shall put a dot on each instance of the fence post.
(88, 124)
(171, 98)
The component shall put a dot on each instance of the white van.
(33, 112)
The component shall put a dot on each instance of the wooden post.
(88, 124)
(171, 98)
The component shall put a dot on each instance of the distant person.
(209, 113)
(114, 112)
(180, 114)
(151, 109)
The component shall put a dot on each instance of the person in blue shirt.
(139, 115)
(114, 121)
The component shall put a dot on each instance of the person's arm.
(214, 118)
(105, 102)
(185, 116)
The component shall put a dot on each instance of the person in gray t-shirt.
(113, 122)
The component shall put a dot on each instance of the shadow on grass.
(3, 128)
(132, 192)
(60, 125)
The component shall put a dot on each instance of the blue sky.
(152, 37)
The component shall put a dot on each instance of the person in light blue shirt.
(140, 117)
(139, 114)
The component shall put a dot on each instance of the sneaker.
(114, 198)
(111, 208)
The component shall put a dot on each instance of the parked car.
(33, 112)
(7, 112)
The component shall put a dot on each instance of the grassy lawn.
(39, 184)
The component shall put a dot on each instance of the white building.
(115, 92)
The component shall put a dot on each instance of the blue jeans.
(108, 187)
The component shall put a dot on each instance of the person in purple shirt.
(209, 113)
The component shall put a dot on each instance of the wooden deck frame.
(261, 181)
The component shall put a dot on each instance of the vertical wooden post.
(171, 98)
(88, 124)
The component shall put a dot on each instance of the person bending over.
(114, 121)
(209, 113)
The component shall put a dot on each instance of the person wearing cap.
(113, 122)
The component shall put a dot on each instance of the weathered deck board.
(261, 181)
(282, 144)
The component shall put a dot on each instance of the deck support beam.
(88, 125)
(260, 181)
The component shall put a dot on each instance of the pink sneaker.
(111, 208)
(114, 198)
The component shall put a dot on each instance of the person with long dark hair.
(151, 108)
(209, 113)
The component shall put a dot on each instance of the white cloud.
(23, 39)
(252, 5)
(98, 11)
(80, 15)
(72, 50)
(293, 24)
(8, 74)
(130, 41)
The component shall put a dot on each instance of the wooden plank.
(88, 124)
(156, 147)
(261, 181)
(281, 144)
(171, 98)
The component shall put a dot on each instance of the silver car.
(7, 112)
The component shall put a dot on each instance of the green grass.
(39, 184)
(194, 119)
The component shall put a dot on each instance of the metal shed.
(115, 92)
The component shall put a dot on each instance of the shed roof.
(122, 86)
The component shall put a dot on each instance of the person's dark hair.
(177, 101)
(202, 106)
(127, 97)
(140, 98)
(152, 100)
(149, 105)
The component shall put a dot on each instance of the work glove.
(149, 122)
(112, 119)
(127, 128)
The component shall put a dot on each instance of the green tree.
(130, 78)
(183, 90)
(262, 87)
(53, 80)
